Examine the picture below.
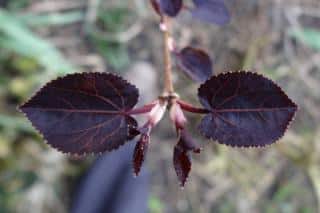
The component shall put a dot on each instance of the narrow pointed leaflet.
(84, 113)
(246, 109)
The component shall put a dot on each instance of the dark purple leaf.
(171, 7)
(84, 113)
(156, 7)
(195, 63)
(212, 11)
(140, 152)
(246, 109)
(182, 156)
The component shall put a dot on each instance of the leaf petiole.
(190, 108)
(142, 110)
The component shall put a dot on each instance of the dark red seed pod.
(140, 152)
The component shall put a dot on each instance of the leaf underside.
(84, 113)
(246, 109)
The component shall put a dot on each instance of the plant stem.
(168, 86)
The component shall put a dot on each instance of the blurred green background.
(40, 40)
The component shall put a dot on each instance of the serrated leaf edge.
(250, 146)
(84, 154)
